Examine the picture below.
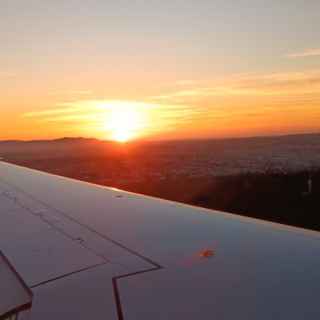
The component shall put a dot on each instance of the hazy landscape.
(273, 178)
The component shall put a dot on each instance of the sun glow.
(125, 121)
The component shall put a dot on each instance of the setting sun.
(125, 121)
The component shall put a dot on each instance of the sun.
(124, 121)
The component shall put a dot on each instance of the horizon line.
(160, 140)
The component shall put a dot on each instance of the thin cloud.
(71, 107)
(305, 54)
(235, 97)
(276, 79)
(51, 112)
(273, 84)
(72, 118)
(96, 111)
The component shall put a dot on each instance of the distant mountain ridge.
(59, 140)
(50, 147)
(66, 140)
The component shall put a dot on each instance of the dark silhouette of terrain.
(285, 198)
(275, 178)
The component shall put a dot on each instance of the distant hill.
(60, 140)
(43, 148)
(67, 140)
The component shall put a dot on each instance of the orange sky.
(175, 73)
(243, 105)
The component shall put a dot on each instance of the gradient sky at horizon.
(203, 68)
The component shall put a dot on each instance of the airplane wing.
(91, 252)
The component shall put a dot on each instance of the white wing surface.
(91, 252)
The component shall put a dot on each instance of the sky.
(168, 69)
